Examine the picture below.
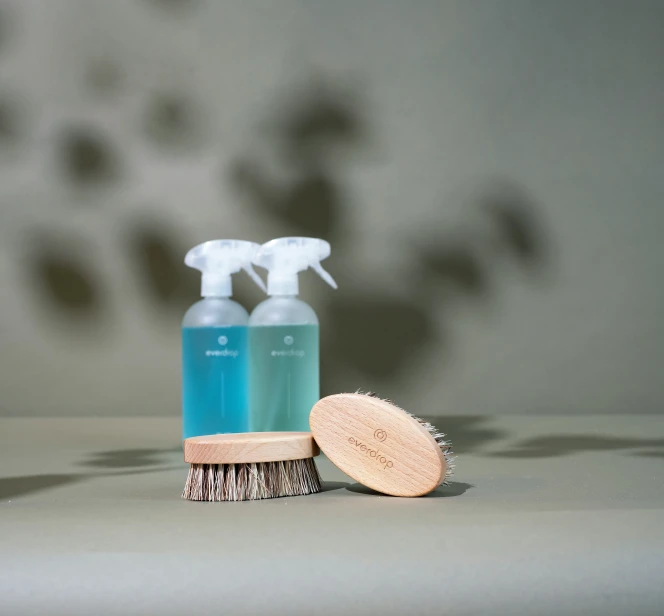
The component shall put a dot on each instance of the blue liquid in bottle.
(214, 380)
(284, 337)
(284, 377)
(215, 360)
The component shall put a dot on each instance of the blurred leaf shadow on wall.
(8, 26)
(65, 269)
(66, 282)
(14, 121)
(173, 122)
(104, 77)
(519, 233)
(311, 136)
(155, 253)
(378, 335)
(369, 333)
(310, 205)
(455, 262)
(87, 158)
(303, 186)
(322, 124)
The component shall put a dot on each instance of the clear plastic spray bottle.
(215, 357)
(284, 338)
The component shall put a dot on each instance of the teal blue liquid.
(283, 377)
(215, 370)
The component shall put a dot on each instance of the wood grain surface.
(377, 444)
(249, 447)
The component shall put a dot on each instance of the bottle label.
(284, 376)
(214, 380)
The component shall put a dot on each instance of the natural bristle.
(445, 447)
(440, 437)
(240, 482)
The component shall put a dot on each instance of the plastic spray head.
(217, 260)
(285, 257)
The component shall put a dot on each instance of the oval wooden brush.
(380, 445)
(250, 466)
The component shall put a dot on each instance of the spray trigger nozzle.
(217, 260)
(325, 275)
(249, 268)
(285, 257)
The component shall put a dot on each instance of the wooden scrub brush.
(380, 445)
(250, 466)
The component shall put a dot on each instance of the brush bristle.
(239, 482)
(440, 437)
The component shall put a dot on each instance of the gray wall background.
(489, 173)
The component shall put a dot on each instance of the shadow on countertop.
(24, 485)
(131, 461)
(131, 458)
(557, 445)
(332, 486)
(468, 433)
(455, 488)
(475, 434)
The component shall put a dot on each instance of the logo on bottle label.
(374, 454)
(288, 341)
(223, 341)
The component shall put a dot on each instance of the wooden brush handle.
(249, 447)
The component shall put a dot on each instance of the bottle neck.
(216, 285)
(279, 284)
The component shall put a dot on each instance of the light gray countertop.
(546, 515)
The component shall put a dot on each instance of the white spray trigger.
(217, 260)
(285, 257)
(325, 275)
(249, 268)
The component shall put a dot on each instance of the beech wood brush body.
(250, 466)
(380, 445)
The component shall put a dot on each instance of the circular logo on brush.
(289, 340)
(380, 435)
(222, 340)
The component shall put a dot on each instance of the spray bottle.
(215, 360)
(284, 338)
